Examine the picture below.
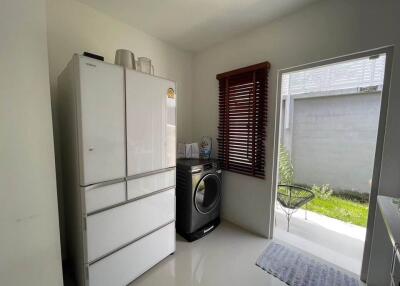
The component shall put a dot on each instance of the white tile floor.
(226, 256)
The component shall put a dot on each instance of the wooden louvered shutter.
(242, 119)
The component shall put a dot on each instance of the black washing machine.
(198, 197)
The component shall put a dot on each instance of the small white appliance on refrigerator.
(118, 141)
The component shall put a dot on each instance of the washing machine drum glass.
(208, 193)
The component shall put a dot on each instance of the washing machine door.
(207, 193)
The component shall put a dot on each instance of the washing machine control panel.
(205, 167)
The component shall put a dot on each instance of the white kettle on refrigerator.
(144, 65)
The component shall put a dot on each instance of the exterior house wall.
(332, 140)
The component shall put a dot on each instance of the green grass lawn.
(341, 209)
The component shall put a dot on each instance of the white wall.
(333, 139)
(29, 239)
(74, 27)
(323, 30)
(297, 39)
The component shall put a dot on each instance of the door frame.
(388, 50)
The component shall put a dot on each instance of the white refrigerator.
(118, 140)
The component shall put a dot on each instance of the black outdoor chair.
(291, 198)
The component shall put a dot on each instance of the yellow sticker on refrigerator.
(171, 93)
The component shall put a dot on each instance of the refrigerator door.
(122, 267)
(101, 103)
(151, 123)
(112, 229)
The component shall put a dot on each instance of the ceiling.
(194, 25)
